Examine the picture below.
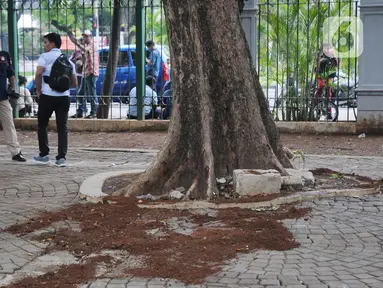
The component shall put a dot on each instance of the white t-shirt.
(46, 60)
(25, 98)
(150, 99)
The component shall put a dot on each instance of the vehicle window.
(133, 53)
(123, 58)
(103, 58)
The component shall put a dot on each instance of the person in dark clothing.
(6, 119)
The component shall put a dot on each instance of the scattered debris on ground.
(116, 183)
(324, 179)
(66, 275)
(329, 179)
(183, 245)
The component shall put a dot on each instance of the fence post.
(140, 61)
(249, 24)
(370, 84)
(13, 48)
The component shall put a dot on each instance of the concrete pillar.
(370, 83)
(249, 24)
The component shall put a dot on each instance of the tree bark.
(111, 66)
(220, 119)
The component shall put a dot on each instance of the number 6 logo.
(345, 35)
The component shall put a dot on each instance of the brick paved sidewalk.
(27, 188)
(341, 244)
(341, 247)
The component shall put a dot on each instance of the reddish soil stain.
(67, 276)
(121, 225)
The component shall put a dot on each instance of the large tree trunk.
(111, 66)
(220, 117)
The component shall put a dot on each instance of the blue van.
(125, 74)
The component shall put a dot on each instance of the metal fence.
(290, 33)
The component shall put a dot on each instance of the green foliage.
(155, 25)
(77, 15)
(300, 155)
(291, 33)
(3, 22)
(72, 14)
(336, 176)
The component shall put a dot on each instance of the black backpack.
(60, 79)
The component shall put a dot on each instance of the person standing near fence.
(78, 59)
(154, 60)
(6, 119)
(91, 73)
(55, 75)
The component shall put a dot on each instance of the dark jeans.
(47, 105)
(24, 111)
(87, 90)
(149, 116)
(79, 81)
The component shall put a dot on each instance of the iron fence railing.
(289, 33)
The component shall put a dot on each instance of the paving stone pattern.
(341, 247)
(341, 241)
(27, 188)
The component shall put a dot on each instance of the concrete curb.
(96, 149)
(132, 150)
(123, 125)
(98, 125)
(317, 127)
(298, 197)
(91, 188)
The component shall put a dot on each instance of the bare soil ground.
(115, 183)
(170, 243)
(309, 144)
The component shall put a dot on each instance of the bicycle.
(300, 105)
(303, 106)
(322, 105)
(343, 96)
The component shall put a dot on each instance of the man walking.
(53, 100)
(91, 73)
(6, 119)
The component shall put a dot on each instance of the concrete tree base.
(250, 182)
